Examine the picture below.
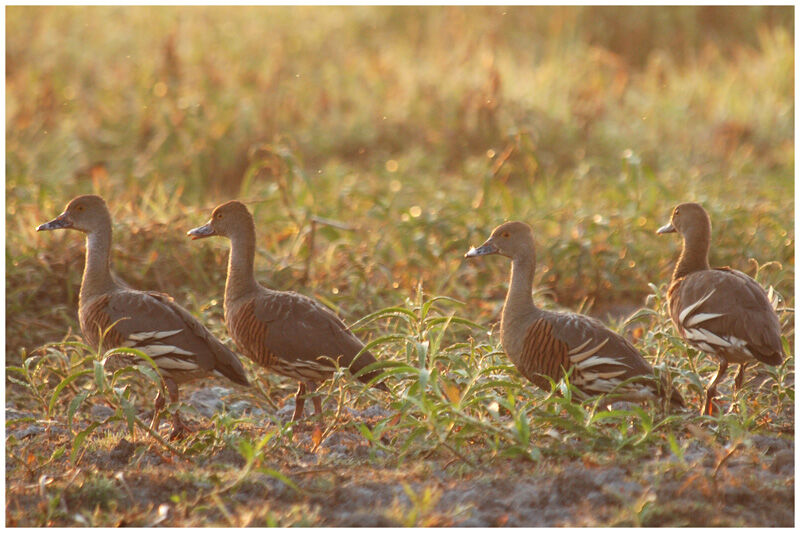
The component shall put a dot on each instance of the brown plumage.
(722, 312)
(285, 332)
(181, 347)
(543, 354)
(543, 343)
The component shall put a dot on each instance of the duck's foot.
(180, 429)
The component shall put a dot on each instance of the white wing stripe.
(694, 306)
(701, 317)
(739, 343)
(594, 361)
(593, 376)
(604, 385)
(581, 347)
(169, 363)
(703, 335)
(313, 365)
(576, 356)
(156, 350)
(152, 335)
(710, 343)
(706, 347)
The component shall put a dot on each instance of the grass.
(371, 168)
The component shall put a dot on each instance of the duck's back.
(726, 312)
(153, 323)
(294, 335)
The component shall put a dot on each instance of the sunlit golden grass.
(374, 146)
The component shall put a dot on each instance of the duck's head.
(225, 221)
(511, 239)
(686, 219)
(85, 213)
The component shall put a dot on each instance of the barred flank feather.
(285, 332)
(112, 313)
(94, 321)
(543, 354)
(544, 345)
(594, 369)
(250, 335)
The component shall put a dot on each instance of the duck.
(180, 346)
(285, 332)
(545, 344)
(720, 311)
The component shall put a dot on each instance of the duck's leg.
(739, 381)
(316, 399)
(158, 405)
(299, 400)
(179, 427)
(711, 391)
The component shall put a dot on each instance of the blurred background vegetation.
(416, 130)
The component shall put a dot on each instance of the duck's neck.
(241, 278)
(519, 299)
(694, 255)
(97, 271)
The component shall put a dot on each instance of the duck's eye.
(80, 208)
(506, 235)
(218, 216)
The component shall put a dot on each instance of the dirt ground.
(345, 482)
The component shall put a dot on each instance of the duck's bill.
(201, 233)
(486, 249)
(667, 228)
(60, 222)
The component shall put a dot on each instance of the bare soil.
(346, 482)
